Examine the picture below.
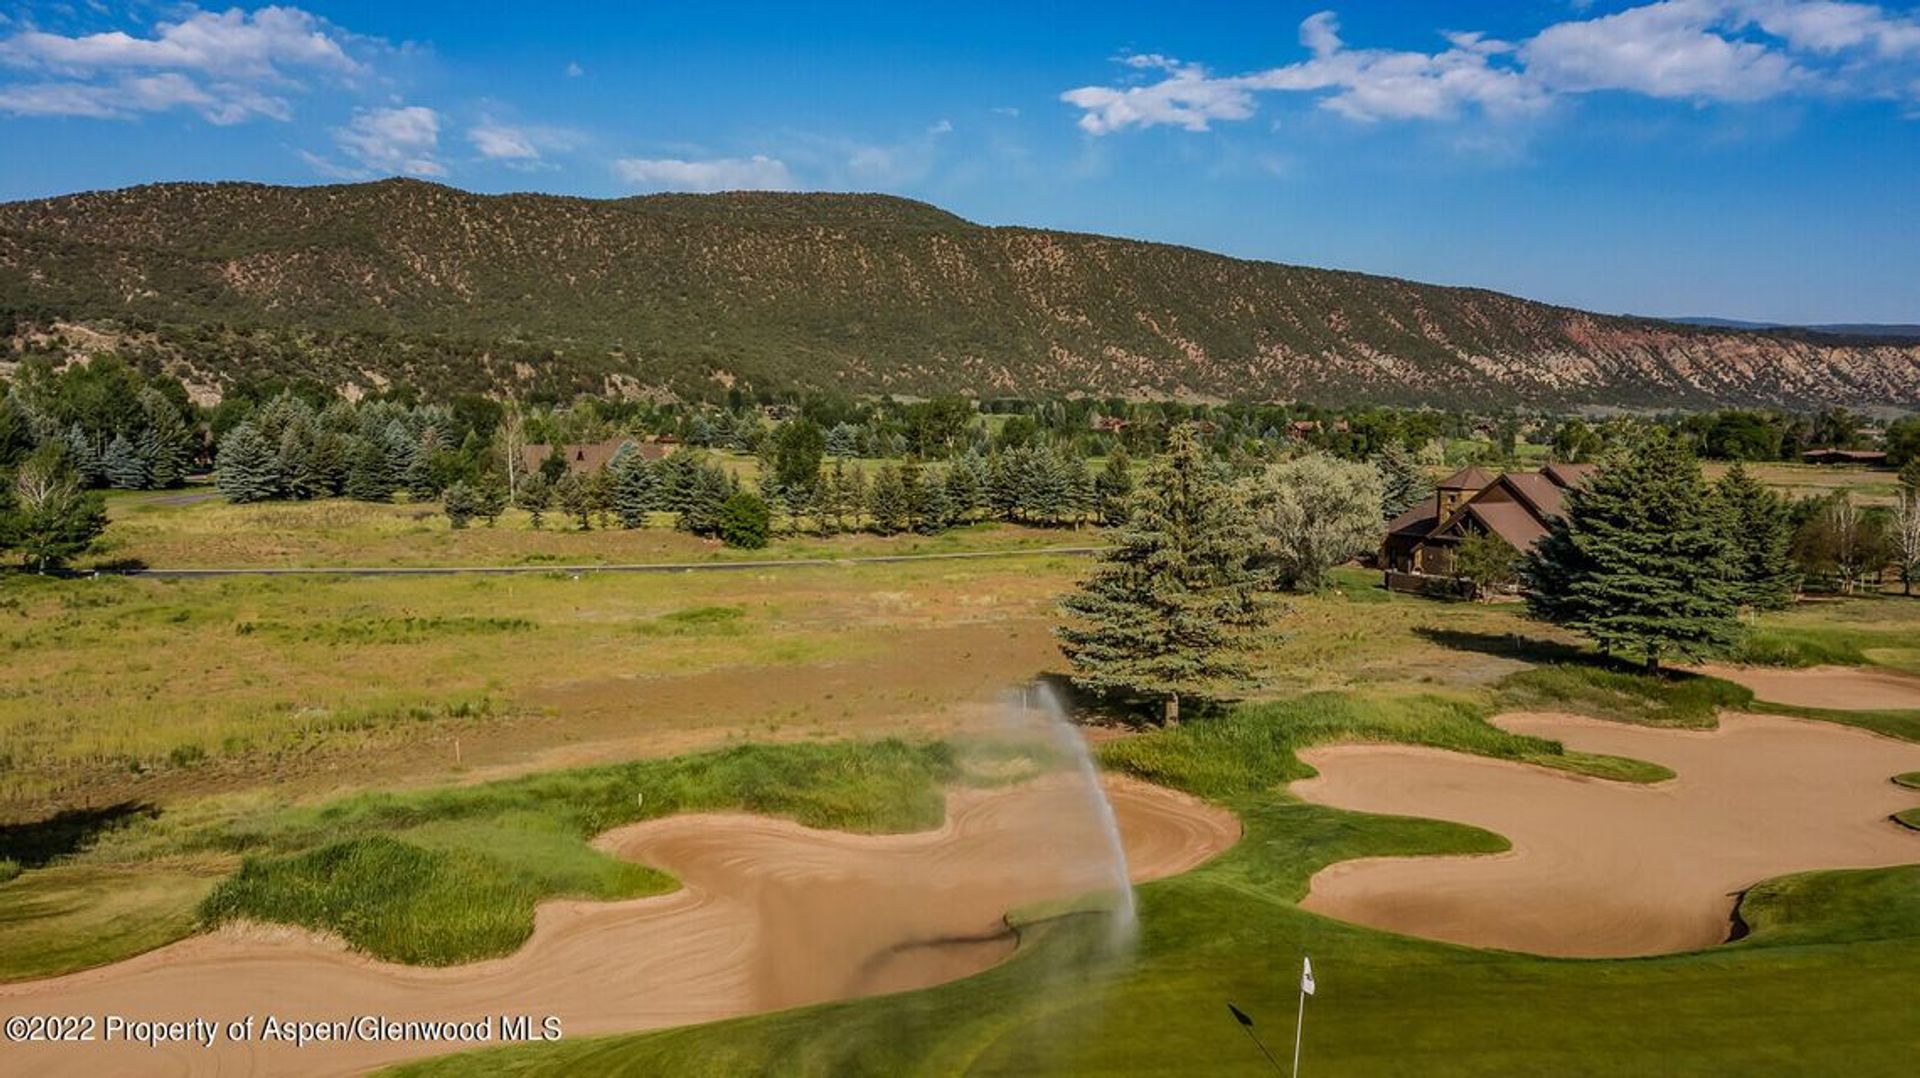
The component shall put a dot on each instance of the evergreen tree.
(854, 496)
(913, 494)
(327, 463)
(83, 456)
(490, 499)
(798, 448)
(248, 469)
(1404, 484)
(887, 502)
(843, 441)
(1639, 561)
(123, 466)
(745, 520)
(707, 491)
(370, 476)
(966, 484)
(48, 516)
(461, 503)
(936, 512)
(574, 493)
(636, 490)
(297, 477)
(1166, 609)
(166, 443)
(1113, 486)
(1760, 535)
(536, 497)
(1078, 498)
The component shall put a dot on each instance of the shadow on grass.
(1086, 707)
(37, 844)
(1515, 646)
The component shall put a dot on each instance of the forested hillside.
(403, 281)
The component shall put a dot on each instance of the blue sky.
(1743, 158)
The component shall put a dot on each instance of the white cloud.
(1188, 97)
(229, 67)
(1696, 50)
(574, 70)
(756, 173)
(1669, 49)
(231, 44)
(499, 142)
(393, 140)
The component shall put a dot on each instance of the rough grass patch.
(1671, 699)
(696, 621)
(9, 870)
(409, 630)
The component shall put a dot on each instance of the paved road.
(645, 567)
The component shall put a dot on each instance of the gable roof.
(1510, 521)
(1570, 476)
(1539, 492)
(1417, 521)
(1468, 478)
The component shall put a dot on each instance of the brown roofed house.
(1515, 507)
(589, 457)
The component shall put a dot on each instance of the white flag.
(1306, 975)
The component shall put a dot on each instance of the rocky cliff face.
(401, 279)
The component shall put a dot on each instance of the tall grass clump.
(1251, 749)
(1683, 700)
(454, 874)
(9, 869)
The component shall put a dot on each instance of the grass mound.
(1606, 692)
(1799, 646)
(1251, 749)
(443, 876)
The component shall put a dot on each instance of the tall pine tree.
(1403, 483)
(1639, 561)
(248, 468)
(1760, 529)
(1165, 611)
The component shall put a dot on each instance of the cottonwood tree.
(1166, 610)
(1313, 513)
(1640, 561)
(1904, 536)
(49, 517)
(1760, 530)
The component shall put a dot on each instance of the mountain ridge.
(365, 284)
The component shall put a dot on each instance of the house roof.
(1541, 493)
(1469, 478)
(1510, 521)
(1570, 476)
(589, 457)
(1417, 520)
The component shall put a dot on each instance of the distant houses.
(1514, 507)
(590, 457)
(1872, 458)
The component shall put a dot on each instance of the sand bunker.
(1603, 868)
(1841, 688)
(772, 915)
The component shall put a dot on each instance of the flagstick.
(1298, 1021)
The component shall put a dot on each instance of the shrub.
(745, 520)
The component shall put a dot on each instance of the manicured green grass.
(1819, 980)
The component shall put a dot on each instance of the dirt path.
(772, 915)
(1840, 688)
(1611, 869)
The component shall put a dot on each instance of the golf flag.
(1306, 975)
